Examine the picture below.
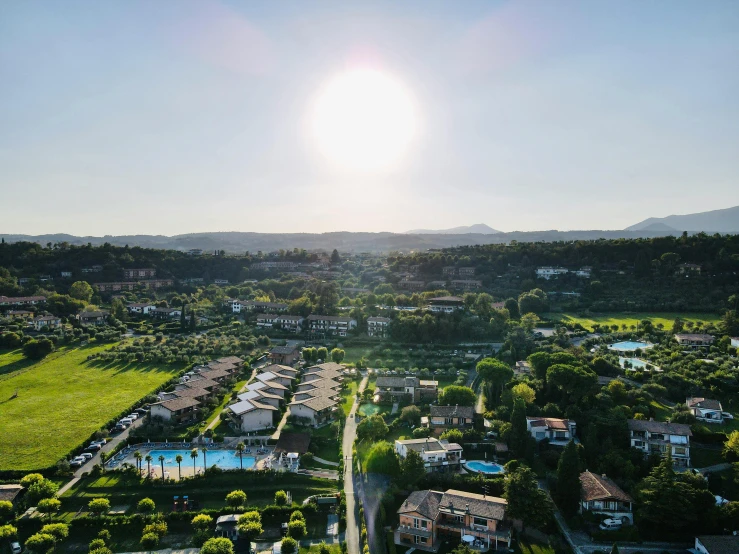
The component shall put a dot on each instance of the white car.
(133, 416)
(15, 547)
(77, 462)
(86, 455)
(611, 525)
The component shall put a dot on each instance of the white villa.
(558, 431)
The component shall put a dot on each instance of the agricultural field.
(629, 319)
(63, 399)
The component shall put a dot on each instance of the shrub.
(280, 498)
(40, 543)
(218, 546)
(59, 531)
(236, 498)
(202, 522)
(297, 529)
(97, 543)
(289, 546)
(150, 541)
(158, 527)
(297, 515)
(146, 506)
(104, 534)
(40, 490)
(99, 506)
(102, 550)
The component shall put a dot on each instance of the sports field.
(629, 319)
(63, 399)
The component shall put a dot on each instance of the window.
(482, 522)
(449, 421)
(419, 523)
(419, 540)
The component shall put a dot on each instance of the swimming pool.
(629, 345)
(225, 459)
(636, 363)
(368, 409)
(489, 468)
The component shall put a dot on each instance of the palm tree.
(178, 459)
(205, 463)
(138, 457)
(161, 461)
(148, 465)
(240, 449)
(194, 456)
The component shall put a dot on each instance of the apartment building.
(466, 284)
(147, 273)
(378, 326)
(445, 304)
(330, 325)
(657, 437)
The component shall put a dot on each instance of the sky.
(184, 116)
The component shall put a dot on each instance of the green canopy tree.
(412, 468)
(526, 501)
(218, 545)
(382, 459)
(81, 290)
(372, 428)
(454, 395)
(519, 438)
(495, 374)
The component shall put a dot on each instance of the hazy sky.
(169, 117)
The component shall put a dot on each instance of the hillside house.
(46, 322)
(445, 304)
(442, 418)
(466, 284)
(557, 431)
(438, 455)
(317, 410)
(657, 437)
(716, 544)
(165, 313)
(428, 518)
(404, 389)
(600, 495)
(99, 317)
(143, 308)
(21, 300)
(550, 272)
(146, 273)
(706, 409)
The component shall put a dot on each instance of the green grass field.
(665, 318)
(353, 354)
(62, 400)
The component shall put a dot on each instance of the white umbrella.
(468, 538)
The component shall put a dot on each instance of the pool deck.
(263, 461)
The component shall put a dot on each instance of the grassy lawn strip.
(62, 400)
(353, 354)
(348, 396)
(621, 318)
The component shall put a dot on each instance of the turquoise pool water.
(225, 459)
(629, 345)
(635, 363)
(489, 468)
(368, 409)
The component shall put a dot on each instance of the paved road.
(350, 433)
(112, 443)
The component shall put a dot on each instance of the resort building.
(550, 272)
(445, 304)
(317, 410)
(238, 306)
(694, 340)
(329, 325)
(557, 431)
(284, 355)
(657, 437)
(378, 326)
(428, 518)
(600, 495)
(148, 273)
(466, 284)
(705, 409)
(438, 455)
(178, 410)
(165, 313)
(273, 376)
(252, 414)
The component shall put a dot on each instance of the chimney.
(467, 508)
(603, 475)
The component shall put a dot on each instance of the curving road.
(350, 433)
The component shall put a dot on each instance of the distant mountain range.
(477, 228)
(716, 221)
(235, 242)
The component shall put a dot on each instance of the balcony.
(404, 536)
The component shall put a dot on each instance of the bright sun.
(363, 120)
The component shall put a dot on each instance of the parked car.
(727, 415)
(611, 524)
(126, 421)
(77, 462)
(133, 416)
(15, 547)
(94, 446)
(86, 455)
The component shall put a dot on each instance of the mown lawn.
(353, 354)
(621, 318)
(12, 361)
(348, 396)
(526, 546)
(62, 400)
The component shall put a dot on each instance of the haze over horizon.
(185, 117)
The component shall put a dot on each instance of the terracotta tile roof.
(660, 427)
(425, 503)
(178, 404)
(600, 487)
(316, 403)
(489, 507)
(550, 423)
(704, 403)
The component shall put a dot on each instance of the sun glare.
(364, 120)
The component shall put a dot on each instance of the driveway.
(350, 433)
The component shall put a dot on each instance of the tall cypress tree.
(183, 320)
(568, 480)
(193, 321)
(519, 436)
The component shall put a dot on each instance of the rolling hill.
(715, 221)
